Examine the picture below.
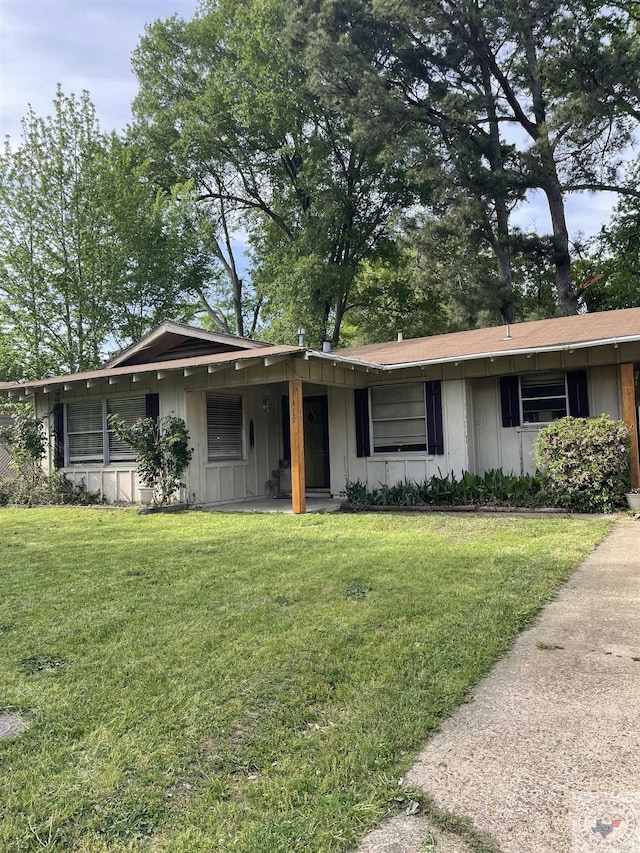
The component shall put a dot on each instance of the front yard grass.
(205, 682)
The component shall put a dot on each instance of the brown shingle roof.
(537, 334)
(268, 351)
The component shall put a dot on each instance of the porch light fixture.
(266, 404)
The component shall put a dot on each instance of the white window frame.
(213, 459)
(373, 420)
(537, 377)
(105, 456)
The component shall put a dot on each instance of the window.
(224, 427)
(544, 397)
(398, 418)
(88, 438)
(130, 410)
(539, 398)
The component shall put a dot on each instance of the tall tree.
(475, 70)
(91, 256)
(224, 100)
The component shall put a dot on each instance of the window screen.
(224, 427)
(544, 397)
(398, 416)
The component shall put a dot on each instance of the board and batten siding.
(510, 448)
(5, 456)
(205, 482)
(117, 482)
(235, 480)
(390, 468)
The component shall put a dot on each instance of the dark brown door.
(316, 442)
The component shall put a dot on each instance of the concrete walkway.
(555, 722)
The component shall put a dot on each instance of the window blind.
(224, 427)
(84, 431)
(130, 410)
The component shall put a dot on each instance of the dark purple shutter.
(363, 441)
(286, 428)
(435, 433)
(58, 435)
(152, 407)
(578, 396)
(510, 401)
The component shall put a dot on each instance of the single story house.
(268, 419)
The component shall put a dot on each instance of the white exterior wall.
(5, 456)
(215, 482)
(206, 482)
(510, 448)
(390, 468)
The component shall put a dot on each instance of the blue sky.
(87, 44)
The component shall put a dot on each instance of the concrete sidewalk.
(557, 717)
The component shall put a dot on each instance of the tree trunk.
(567, 297)
(550, 183)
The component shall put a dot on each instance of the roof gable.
(170, 341)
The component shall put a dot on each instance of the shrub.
(46, 490)
(585, 463)
(162, 448)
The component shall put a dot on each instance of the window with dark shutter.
(435, 431)
(363, 442)
(577, 393)
(224, 427)
(85, 430)
(398, 418)
(510, 401)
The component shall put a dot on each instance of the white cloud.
(81, 44)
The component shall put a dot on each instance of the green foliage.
(227, 101)
(91, 254)
(585, 462)
(162, 450)
(493, 488)
(42, 489)
(25, 437)
(615, 257)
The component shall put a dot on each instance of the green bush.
(162, 451)
(43, 489)
(585, 463)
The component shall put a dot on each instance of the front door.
(316, 442)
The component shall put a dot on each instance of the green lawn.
(204, 682)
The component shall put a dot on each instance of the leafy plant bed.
(490, 508)
(493, 488)
(200, 681)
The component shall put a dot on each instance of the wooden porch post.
(629, 416)
(298, 495)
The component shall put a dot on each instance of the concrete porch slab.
(275, 505)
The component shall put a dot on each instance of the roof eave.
(505, 353)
